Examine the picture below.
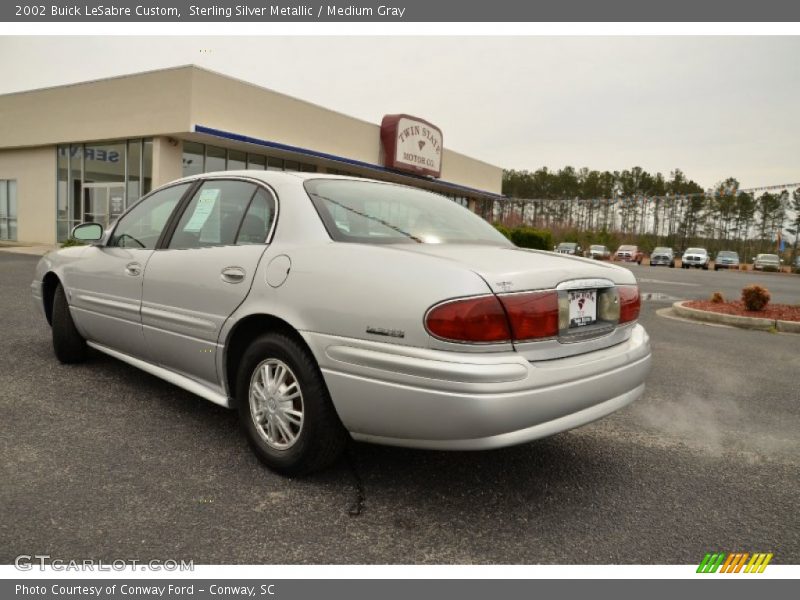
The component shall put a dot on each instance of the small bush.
(503, 229)
(72, 242)
(527, 237)
(755, 297)
(717, 298)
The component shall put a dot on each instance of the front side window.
(142, 226)
(222, 211)
(379, 213)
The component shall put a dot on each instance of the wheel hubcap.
(276, 403)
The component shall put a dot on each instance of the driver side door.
(105, 285)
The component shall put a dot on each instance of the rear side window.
(257, 220)
(223, 213)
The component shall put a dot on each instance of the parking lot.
(103, 461)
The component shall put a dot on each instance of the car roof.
(276, 176)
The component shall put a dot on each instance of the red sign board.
(411, 144)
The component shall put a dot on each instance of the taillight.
(470, 320)
(629, 303)
(532, 314)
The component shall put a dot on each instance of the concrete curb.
(735, 320)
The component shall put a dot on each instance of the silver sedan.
(327, 308)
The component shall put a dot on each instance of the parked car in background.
(629, 253)
(568, 248)
(695, 257)
(599, 252)
(767, 262)
(726, 259)
(662, 256)
(325, 308)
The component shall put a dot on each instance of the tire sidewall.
(315, 396)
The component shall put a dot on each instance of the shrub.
(503, 229)
(755, 297)
(527, 237)
(717, 298)
(72, 242)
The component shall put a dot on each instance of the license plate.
(582, 308)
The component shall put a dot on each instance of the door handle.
(133, 269)
(232, 274)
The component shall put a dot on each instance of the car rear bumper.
(442, 400)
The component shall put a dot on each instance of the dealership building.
(85, 152)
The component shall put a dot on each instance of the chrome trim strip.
(580, 284)
(190, 385)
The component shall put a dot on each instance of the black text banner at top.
(394, 11)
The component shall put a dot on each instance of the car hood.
(509, 269)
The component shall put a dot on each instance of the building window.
(98, 181)
(193, 158)
(237, 161)
(215, 159)
(8, 209)
(256, 161)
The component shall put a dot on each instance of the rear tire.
(285, 408)
(68, 345)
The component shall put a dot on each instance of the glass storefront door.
(103, 202)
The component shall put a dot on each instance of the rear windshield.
(367, 212)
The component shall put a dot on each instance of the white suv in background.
(695, 257)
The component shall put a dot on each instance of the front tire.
(285, 408)
(68, 345)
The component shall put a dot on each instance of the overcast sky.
(714, 107)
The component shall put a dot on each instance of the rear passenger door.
(203, 273)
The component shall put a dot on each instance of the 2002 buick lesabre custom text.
(327, 307)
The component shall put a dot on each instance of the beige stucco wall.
(35, 172)
(167, 160)
(139, 105)
(171, 101)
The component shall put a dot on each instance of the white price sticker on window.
(205, 206)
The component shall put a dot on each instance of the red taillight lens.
(629, 303)
(470, 320)
(532, 314)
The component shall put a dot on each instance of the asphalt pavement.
(103, 461)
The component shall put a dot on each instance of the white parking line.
(643, 280)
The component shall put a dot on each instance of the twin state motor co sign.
(412, 144)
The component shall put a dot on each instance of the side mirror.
(87, 232)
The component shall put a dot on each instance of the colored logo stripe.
(734, 562)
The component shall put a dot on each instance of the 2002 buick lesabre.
(327, 307)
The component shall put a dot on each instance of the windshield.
(368, 212)
(597, 248)
(695, 251)
(567, 245)
(728, 254)
(627, 248)
(662, 249)
(770, 257)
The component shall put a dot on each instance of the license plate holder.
(582, 308)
